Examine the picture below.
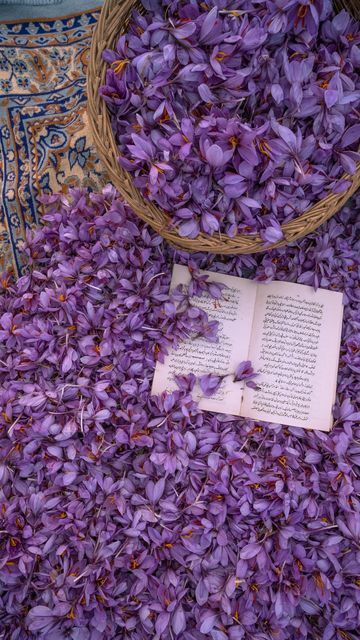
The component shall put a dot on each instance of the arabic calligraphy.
(288, 356)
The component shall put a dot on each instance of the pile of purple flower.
(129, 517)
(236, 116)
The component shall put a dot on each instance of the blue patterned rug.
(45, 142)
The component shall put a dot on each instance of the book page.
(294, 346)
(234, 312)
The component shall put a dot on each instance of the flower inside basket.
(232, 123)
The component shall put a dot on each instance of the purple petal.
(277, 93)
(185, 31)
(351, 135)
(205, 94)
(331, 97)
(178, 622)
(215, 155)
(207, 622)
(189, 229)
(209, 23)
(250, 551)
(272, 234)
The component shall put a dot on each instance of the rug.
(31, 2)
(45, 141)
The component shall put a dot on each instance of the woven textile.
(32, 2)
(45, 142)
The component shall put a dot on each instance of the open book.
(291, 334)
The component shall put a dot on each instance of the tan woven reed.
(113, 20)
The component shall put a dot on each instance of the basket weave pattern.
(114, 18)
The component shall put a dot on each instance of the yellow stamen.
(62, 297)
(265, 148)
(254, 587)
(221, 55)
(282, 461)
(71, 614)
(298, 53)
(118, 65)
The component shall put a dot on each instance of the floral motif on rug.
(45, 140)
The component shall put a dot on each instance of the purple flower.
(210, 383)
(272, 234)
(200, 283)
(244, 371)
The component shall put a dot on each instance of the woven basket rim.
(112, 21)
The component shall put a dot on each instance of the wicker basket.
(114, 18)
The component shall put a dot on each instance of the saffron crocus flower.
(210, 383)
(307, 15)
(201, 283)
(245, 371)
